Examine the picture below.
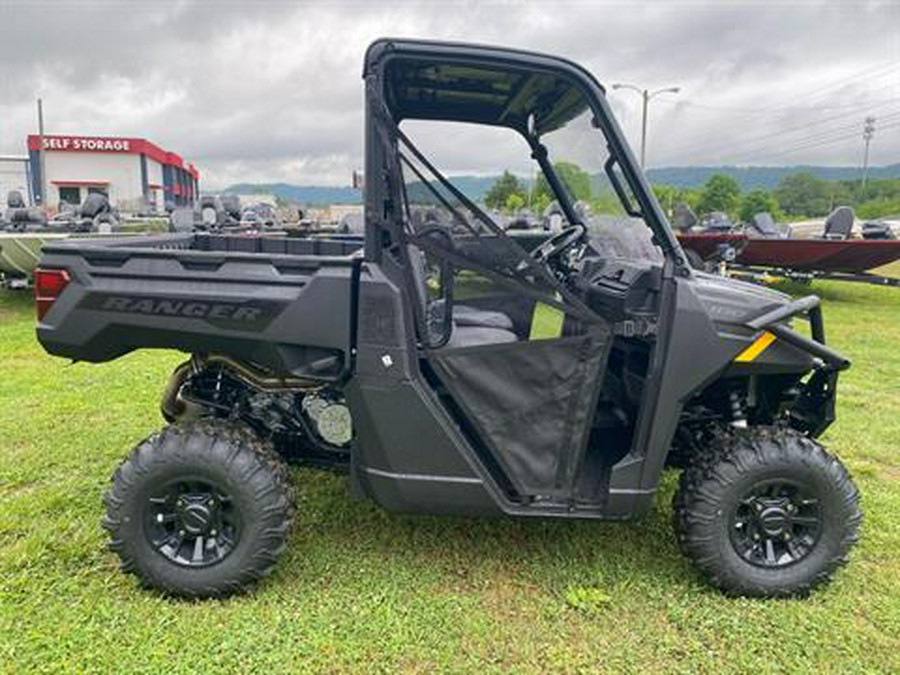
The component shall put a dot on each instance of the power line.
(751, 145)
(766, 147)
(831, 86)
(811, 95)
(769, 111)
(810, 123)
(832, 141)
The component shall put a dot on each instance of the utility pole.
(42, 154)
(868, 132)
(646, 95)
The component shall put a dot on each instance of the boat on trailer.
(758, 249)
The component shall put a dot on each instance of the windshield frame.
(385, 52)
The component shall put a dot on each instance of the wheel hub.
(192, 523)
(776, 524)
(774, 521)
(195, 518)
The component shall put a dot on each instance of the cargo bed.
(250, 297)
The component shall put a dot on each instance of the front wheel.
(201, 509)
(766, 512)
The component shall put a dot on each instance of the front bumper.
(813, 410)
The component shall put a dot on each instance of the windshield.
(580, 157)
(457, 115)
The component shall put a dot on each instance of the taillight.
(48, 286)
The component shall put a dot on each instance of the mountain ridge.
(474, 187)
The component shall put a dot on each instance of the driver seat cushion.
(473, 336)
(466, 315)
(463, 315)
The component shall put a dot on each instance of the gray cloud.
(272, 90)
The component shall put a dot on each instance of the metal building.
(136, 174)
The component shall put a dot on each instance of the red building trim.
(109, 144)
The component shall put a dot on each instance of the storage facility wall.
(118, 174)
(156, 194)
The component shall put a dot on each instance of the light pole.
(646, 95)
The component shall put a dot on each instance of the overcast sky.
(271, 91)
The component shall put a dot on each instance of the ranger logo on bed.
(242, 315)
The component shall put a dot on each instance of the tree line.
(797, 196)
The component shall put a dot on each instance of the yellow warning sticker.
(758, 347)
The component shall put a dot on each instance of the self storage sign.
(83, 143)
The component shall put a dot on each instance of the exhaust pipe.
(174, 407)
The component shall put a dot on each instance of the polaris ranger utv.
(446, 369)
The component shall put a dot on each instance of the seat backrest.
(684, 217)
(839, 223)
(764, 224)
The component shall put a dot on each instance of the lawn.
(361, 590)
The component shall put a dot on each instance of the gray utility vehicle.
(449, 371)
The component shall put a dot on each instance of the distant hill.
(312, 195)
(752, 177)
(749, 177)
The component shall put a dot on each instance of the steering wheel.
(558, 243)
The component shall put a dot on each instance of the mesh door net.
(531, 403)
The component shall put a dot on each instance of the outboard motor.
(97, 215)
(14, 200)
(181, 220)
(20, 218)
(231, 205)
(352, 223)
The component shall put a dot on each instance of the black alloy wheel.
(765, 512)
(194, 523)
(777, 523)
(202, 509)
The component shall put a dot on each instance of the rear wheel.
(199, 510)
(766, 512)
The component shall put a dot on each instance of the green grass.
(366, 591)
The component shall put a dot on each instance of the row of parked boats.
(24, 230)
(225, 213)
(842, 249)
